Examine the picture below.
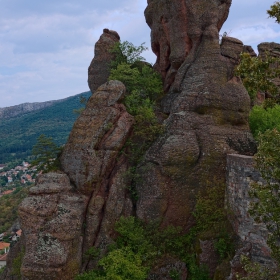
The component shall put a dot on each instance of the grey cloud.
(14, 8)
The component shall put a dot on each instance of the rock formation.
(99, 69)
(208, 117)
(17, 110)
(271, 49)
(207, 111)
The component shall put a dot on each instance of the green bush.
(46, 154)
(262, 119)
(265, 206)
(257, 74)
(274, 11)
(144, 88)
(139, 247)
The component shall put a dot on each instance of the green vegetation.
(274, 11)
(257, 74)
(256, 271)
(2, 270)
(140, 246)
(127, 53)
(46, 154)
(144, 89)
(83, 101)
(262, 119)
(8, 207)
(18, 135)
(266, 206)
(17, 262)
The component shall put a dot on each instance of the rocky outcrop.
(51, 219)
(253, 236)
(66, 214)
(169, 36)
(99, 69)
(17, 110)
(249, 50)
(207, 111)
(176, 29)
(271, 49)
(208, 117)
(92, 161)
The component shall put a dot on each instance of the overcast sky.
(46, 46)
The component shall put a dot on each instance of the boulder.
(99, 69)
(51, 220)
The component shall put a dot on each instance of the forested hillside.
(19, 134)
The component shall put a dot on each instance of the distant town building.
(4, 246)
(3, 260)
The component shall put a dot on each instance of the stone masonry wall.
(240, 174)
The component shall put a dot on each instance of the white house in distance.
(5, 247)
(3, 260)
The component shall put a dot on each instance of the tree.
(274, 11)
(262, 119)
(257, 74)
(266, 205)
(46, 154)
(126, 52)
(83, 101)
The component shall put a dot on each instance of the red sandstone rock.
(97, 136)
(169, 38)
(51, 220)
(99, 70)
(62, 220)
(208, 116)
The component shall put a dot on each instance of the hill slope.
(19, 134)
(17, 110)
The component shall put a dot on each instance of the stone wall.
(240, 174)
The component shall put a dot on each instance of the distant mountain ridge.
(17, 110)
(21, 125)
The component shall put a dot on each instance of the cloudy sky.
(46, 46)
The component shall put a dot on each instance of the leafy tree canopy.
(126, 52)
(266, 205)
(257, 74)
(46, 154)
(274, 11)
(262, 119)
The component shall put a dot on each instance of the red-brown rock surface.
(62, 220)
(51, 220)
(208, 118)
(177, 27)
(208, 110)
(99, 70)
(90, 160)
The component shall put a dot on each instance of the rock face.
(273, 49)
(208, 112)
(99, 71)
(177, 27)
(51, 219)
(17, 110)
(240, 175)
(208, 118)
(90, 160)
(60, 219)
